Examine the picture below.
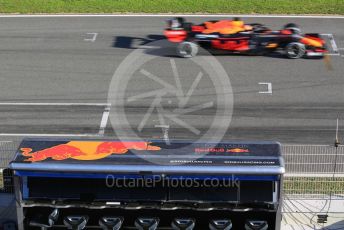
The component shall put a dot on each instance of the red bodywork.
(176, 35)
(237, 44)
(231, 44)
(236, 36)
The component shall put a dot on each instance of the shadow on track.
(134, 42)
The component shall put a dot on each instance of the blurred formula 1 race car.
(235, 36)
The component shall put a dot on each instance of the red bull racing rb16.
(234, 36)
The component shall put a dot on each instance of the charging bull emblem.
(81, 150)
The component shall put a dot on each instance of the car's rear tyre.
(295, 50)
(187, 49)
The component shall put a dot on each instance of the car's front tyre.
(187, 49)
(295, 50)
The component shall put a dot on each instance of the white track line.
(54, 104)
(168, 15)
(165, 129)
(269, 88)
(341, 49)
(333, 44)
(104, 121)
(51, 104)
(47, 135)
(93, 39)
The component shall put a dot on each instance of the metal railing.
(314, 187)
(314, 171)
(313, 160)
(7, 152)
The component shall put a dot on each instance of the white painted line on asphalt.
(333, 43)
(93, 39)
(333, 54)
(104, 121)
(146, 47)
(169, 15)
(108, 105)
(47, 135)
(54, 104)
(269, 87)
(165, 129)
(341, 49)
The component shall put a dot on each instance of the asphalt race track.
(55, 74)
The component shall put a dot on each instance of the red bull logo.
(238, 150)
(82, 150)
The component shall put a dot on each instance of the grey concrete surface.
(301, 214)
